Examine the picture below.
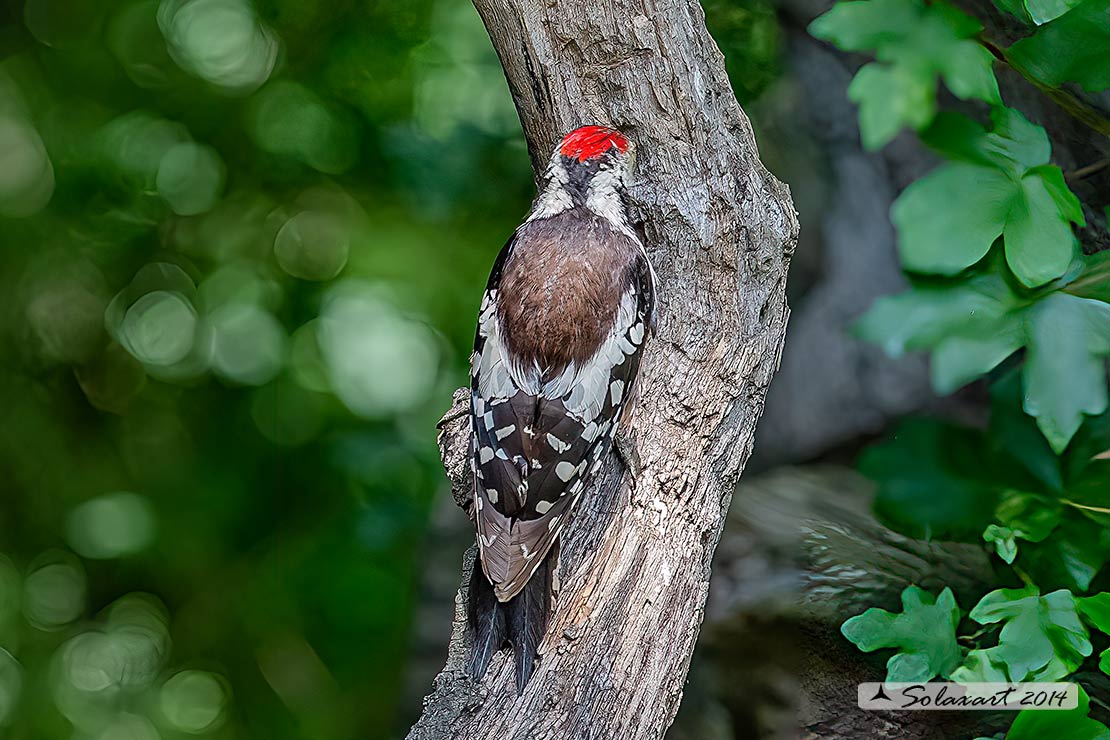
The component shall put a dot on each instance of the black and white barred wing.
(537, 445)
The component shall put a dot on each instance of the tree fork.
(720, 230)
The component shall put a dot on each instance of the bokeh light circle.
(54, 591)
(221, 41)
(288, 119)
(194, 701)
(190, 178)
(26, 173)
(379, 361)
(313, 245)
(138, 625)
(127, 726)
(248, 345)
(159, 328)
(111, 526)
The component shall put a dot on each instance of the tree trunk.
(720, 230)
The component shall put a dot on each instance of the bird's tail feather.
(487, 620)
(521, 621)
(528, 622)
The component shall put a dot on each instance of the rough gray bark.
(720, 231)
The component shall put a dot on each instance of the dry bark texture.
(720, 230)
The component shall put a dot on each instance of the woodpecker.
(561, 330)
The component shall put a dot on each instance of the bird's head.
(594, 146)
(590, 167)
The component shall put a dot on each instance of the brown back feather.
(560, 288)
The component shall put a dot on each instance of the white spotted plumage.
(541, 428)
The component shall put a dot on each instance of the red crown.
(588, 142)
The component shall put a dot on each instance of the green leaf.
(889, 99)
(1039, 242)
(1030, 516)
(1005, 542)
(1015, 8)
(1071, 48)
(1016, 435)
(958, 360)
(1071, 558)
(1089, 491)
(1014, 144)
(1097, 611)
(927, 481)
(1027, 516)
(1042, 639)
(981, 666)
(1000, 183)
(916, 44)
(966, 69)
(977, 308)
(924, 633)
(1064, 337)
(948, 219)
(971, 326)
(1074, 724)
(867, 24)
(1070, 207)
(1043, 11)
(1017, 139)
(1093, 277)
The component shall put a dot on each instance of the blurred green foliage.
(1000, 290)
(748, 32)
(241, 251)
(241, 248)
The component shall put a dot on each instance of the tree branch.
(720, 230)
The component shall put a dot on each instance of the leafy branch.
(999, 288)
(995, 220)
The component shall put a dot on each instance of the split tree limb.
(720, 230)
